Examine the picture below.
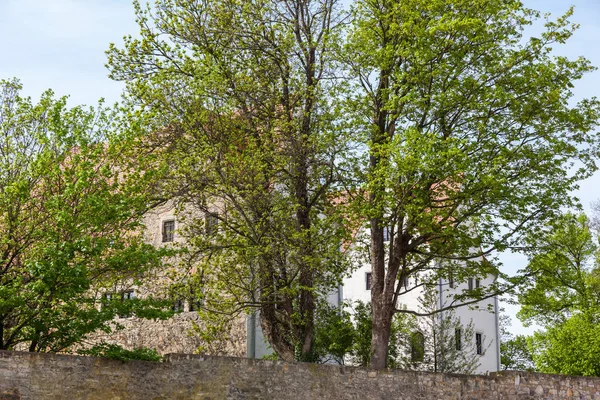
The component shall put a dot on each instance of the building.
(245, 337)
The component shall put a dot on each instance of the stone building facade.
(180, 334)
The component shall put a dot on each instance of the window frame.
(121, 296)
(479, 343)
(368, 280)
(178, 305)
(387, 234)
(211, 223)
(458, 345)
(167, 237)
(417, 347)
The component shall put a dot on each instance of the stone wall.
(174, 335)
(48, 376)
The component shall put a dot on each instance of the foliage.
(71, 201)
(334, 333)
(564, 298)
(571, 347)
(515, 352)
(116, 352)
(472, 141)
(441, 352)
(241, 95)
(360, 352)
(455, 133)
(566, 273)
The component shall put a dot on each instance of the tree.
(243, 98)
(360, 352)
(469, 140)
(70, 211)
(565, 270)
(564, 298)
(571, 347)
(448, 345)
(515, 353)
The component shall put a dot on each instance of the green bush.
(116, 352)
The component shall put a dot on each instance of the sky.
(60, 44)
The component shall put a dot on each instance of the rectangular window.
(386, 234)
(168, 231)
(451, 279)
(477, 283)
(470, 283)
(177, 305)
(195, 304)
(369, 278)
(458, 338)
(127, 295)
(123, 297)
(417, 347)
(479, 343)
(211, 221)
(195, 298)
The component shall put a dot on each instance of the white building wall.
(483, 315)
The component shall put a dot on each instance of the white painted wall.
(484, 319)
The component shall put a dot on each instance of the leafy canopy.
(71, 201)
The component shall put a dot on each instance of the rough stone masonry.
(54, 376)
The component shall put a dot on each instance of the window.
(211, 221)
(451, 279)
(479, 343)
(458, 338)
(121, 297)
(386, 233)
(417, 347)
(127, 295)
(477, 283)
(195, 299)
(168, 231)
(470, 283)
(405, 283)
(177, 305)
(369, 279)
(195, 304)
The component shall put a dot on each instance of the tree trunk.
(274, 335)
(382, 323)
(381, 301)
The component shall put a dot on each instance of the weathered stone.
(50, 376)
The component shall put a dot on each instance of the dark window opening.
(122, 297)
(458, 338)
(479, 343)
(168, 231)
(211, 222)
(386, 234)
(477, 283)
(195, 304)
(417, 347)
(470, 283)
(177, 305)
(451, 279)
(369, 280)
